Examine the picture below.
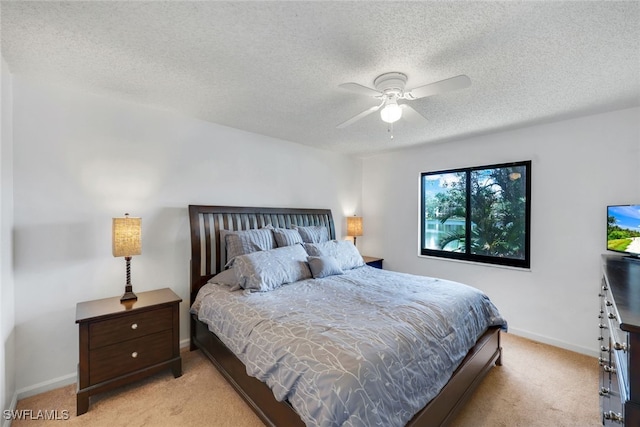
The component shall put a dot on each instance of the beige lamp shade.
(354, 226)
(127, 236)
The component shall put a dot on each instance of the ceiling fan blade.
(362, 90)
(359, 116)
(413, 116)
(447, 85)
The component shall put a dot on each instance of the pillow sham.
(286, 237)
(313, 233)
(266, 270)
(343, 251)
(243, 242)
(323, 266)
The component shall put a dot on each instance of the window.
(477, 214)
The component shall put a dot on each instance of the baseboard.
(47, 385)
(593, 352)
(12, 407)
(61, 382)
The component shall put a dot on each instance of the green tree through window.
(478, 214)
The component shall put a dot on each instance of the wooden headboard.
(207, 253)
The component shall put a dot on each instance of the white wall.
(7, 309)
(578, 167)
(81, 160)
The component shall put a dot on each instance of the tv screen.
(623, 229)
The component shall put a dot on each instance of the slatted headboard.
(207, 254)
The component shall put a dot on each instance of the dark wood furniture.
(373, 261)
(620, 341)
(207, 259)
(124, 342)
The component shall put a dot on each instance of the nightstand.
(124, 342)
(373, 261)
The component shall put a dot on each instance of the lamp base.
(128, 294)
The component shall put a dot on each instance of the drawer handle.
(134, 326)
(604, 349)
(601, 326)
(611, 315)
(608, 303)
(608, 368)
(613, 416)
(618, 346)
(604, 391)
(134, 354)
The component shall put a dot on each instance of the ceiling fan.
(389, 88)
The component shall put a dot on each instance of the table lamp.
(354, 227)
(127, 241)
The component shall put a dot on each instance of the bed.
(209, 223)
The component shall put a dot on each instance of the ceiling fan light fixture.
(391, 112)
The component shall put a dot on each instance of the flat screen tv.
(623, 229)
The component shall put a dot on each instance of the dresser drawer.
(125, 328)
(118, 359)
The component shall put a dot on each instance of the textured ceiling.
(273, 68)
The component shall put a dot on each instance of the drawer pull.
(604, 392)
(608, 303)
(602, 361)
(134, 354)
(134, 326)
(613, 416)
(601, 326)
(618, 346)
(600, 338)
(604, 349)
(611, 315)
(609, 369)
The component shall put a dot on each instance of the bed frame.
(207, 259)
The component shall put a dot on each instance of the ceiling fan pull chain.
(390, 130)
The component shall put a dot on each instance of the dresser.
(619, 340)
(124, 342)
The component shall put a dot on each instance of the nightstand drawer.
(125, 328)
(118, 359)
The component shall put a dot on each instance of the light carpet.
(537, 385)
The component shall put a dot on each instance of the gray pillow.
(343, 251)
(286, 237)
(323, 266)
(267, 270)
(246, 241)
(313, 233)
(225, 277)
